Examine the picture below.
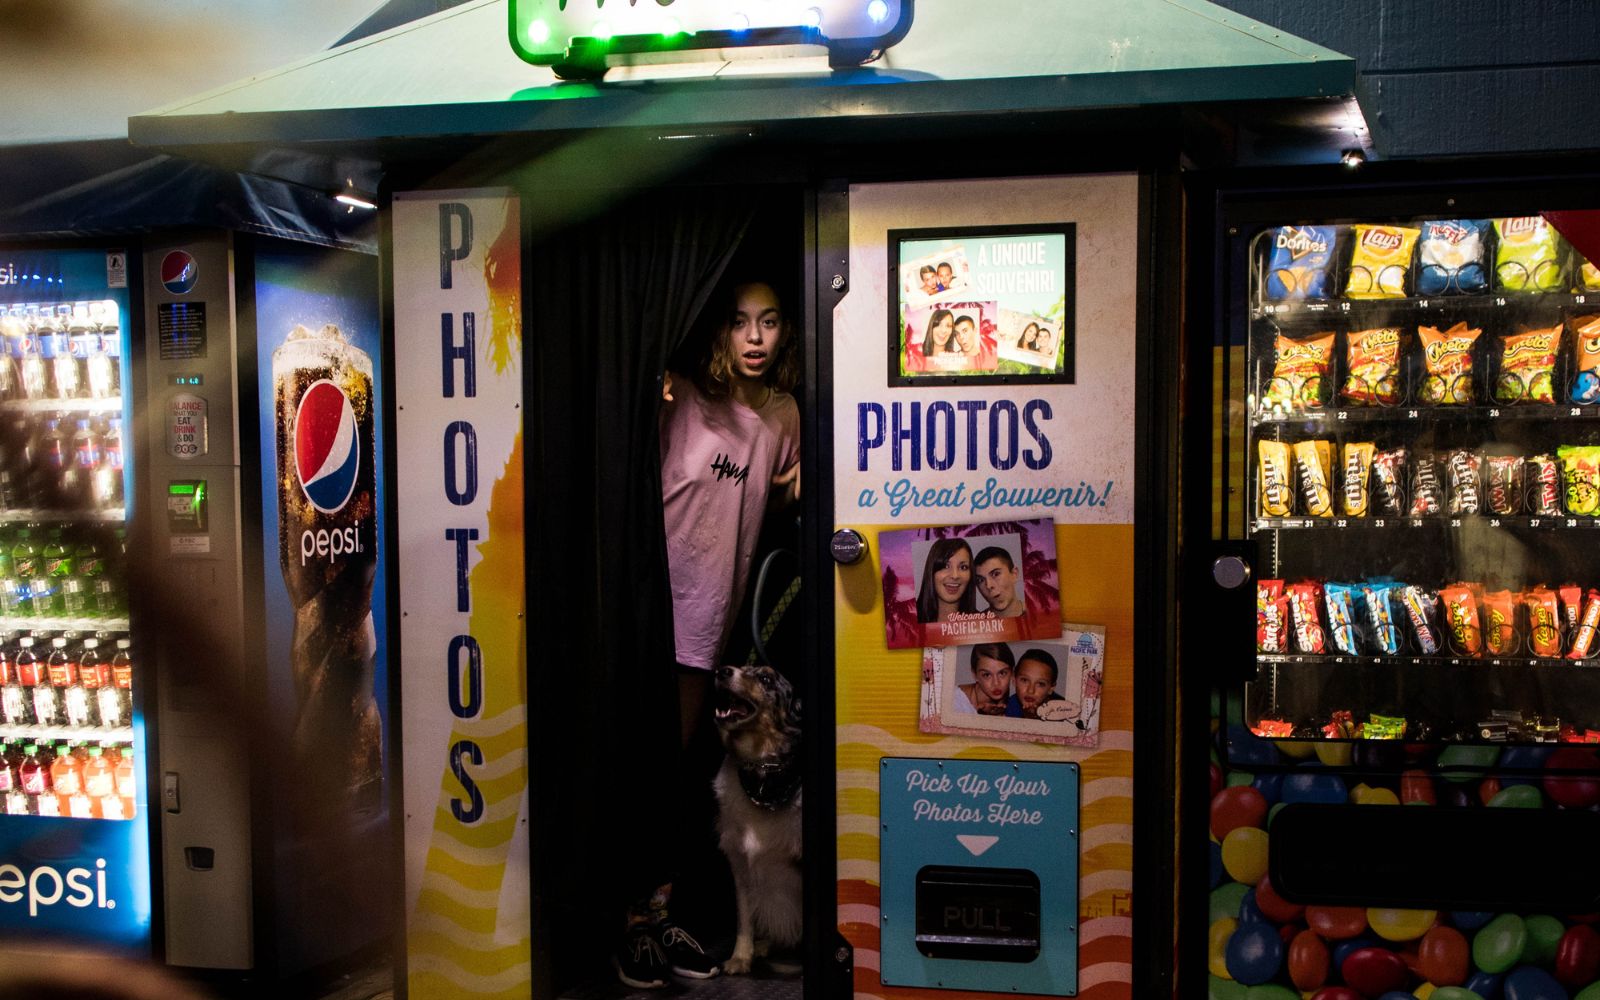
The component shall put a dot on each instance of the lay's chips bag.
(1452, 257)
(1380, 261)
(1528, 258)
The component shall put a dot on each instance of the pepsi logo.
(327, 452)
(179, 272)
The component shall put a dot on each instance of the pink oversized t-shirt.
(718, 458)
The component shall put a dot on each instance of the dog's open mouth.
(731, 709)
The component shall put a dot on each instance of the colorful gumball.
(1522, 762)
(1544, 938)
(1254, 953)
(1271, 991)
(1274, 906)
(1470, 920)
(1248, 749)
(1335, 754)
(1217, 938)
(1372, 971)
(1461, 762)
(1225, 900)
(1500, 944)
(1336, 993)
(1314, 786)
(1223, 989)
(1240, 779)
(1400, 925)
(1518, 797)
(1444, 957)
(1308, 961)
(1417, 786)
(1244, 854)
(1297, 749)
(1342, 950)
(1488, 788)
(1578, 957)
(1232, 808)
(1590, 992)
(1365, 796)
(1458, 796)
(1455, 993)
(1249, 912)
(1529, 982)
(1335, 923)
(1486, 984)
(1217, 872)
(1270, 785)
(1569, 778)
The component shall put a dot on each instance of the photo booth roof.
(454, 74)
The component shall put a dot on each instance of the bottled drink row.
(73, 683)
(77, 780)
(69, 350)
(64, 462)
(63, 572)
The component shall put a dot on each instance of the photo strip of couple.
(1044, 692)
(963, 584)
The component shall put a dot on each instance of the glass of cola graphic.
(327, 540)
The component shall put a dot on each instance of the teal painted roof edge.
(1288, 68)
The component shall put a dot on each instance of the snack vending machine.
(74, 821)
(1408, 484)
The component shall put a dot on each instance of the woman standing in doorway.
(730, 449)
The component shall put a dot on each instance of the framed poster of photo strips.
(1038, 691)
(985, 305)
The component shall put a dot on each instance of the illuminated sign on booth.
(576, 36)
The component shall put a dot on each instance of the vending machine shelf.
(70, 734)
(106, 404)
(1422, 307)
(16, 622)
(1468, 522)
(1322, 420)
(1433, 662)
(108, 515)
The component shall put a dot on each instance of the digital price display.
(576, 36)
(188, 380)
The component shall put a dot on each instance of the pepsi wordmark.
(45, 886)
(461, 451)
(976, 433)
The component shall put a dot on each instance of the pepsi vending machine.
(263, 365)
(74, 807)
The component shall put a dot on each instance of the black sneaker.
(639, 958)
(684, 953)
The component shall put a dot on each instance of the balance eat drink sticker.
(186, 426)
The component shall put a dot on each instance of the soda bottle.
(33, 372)
(46, 699)
(12, 332)
(93, 674)
(16, 701)
(77, 476)
(100, 368)
(99, 783)
(120, 803)
(116, 698)
(100, 588)
(66, 779)
(38, 588)
(105, 480)
(12, 799)
(77, 702)
(34, 777)
(54, 459)
(66, 378)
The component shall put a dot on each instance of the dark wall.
(1461, 77)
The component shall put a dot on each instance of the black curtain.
(608, 302)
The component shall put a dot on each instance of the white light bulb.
(877, 10)
(538, 32)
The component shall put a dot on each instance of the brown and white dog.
(758, 814)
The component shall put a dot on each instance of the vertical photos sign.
(458, 388)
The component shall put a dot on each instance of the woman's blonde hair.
(784, 371)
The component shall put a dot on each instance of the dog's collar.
(771, 784)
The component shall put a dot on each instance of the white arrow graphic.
(977, 845)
